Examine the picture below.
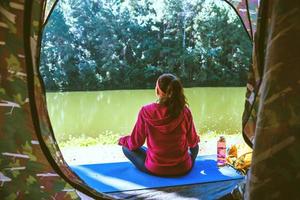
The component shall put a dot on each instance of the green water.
(215, 110)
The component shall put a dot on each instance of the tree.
(114, 44)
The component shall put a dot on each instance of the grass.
(107, 138)
(84, 141)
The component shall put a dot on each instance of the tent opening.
(100, 61)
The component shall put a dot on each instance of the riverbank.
(76, 155)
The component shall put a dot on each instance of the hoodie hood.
(156, 116)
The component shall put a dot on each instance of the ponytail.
(174, 97)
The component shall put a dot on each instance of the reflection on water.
(92, 113)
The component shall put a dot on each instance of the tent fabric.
(253, 92)
(31, 164)
(274, 173)
(30, 161)
(41, 115)
(247, 10)
(50, 4)
(25, 171)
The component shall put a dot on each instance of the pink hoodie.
(167, 139)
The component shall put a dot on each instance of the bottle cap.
(222, 139)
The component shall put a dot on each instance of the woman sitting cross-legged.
(169, 129)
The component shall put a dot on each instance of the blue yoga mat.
(123, 176)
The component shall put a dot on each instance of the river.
(215, 110)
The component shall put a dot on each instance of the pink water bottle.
(221, 152)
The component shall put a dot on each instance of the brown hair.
(174, 97)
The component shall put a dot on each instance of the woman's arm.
(137, 137)
(192, 137)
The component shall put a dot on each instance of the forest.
(115, 44)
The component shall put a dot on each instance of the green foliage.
(106, 137)
(89, 45)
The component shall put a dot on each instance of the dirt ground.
(113, 153)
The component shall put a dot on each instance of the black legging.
(138, 156)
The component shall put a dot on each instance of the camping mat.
(206, 191)
(123, 176)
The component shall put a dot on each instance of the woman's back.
(168, 139)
